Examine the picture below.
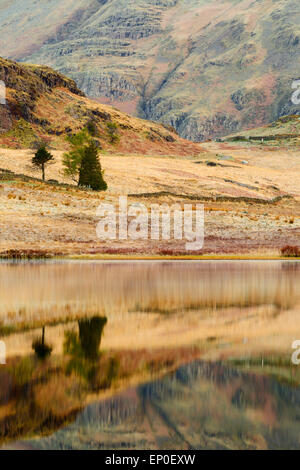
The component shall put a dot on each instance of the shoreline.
(124, 257)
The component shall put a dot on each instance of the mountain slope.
(209, 68)
(43, 104)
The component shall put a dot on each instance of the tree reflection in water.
(90, 333)
(41, 348)
(84, 350)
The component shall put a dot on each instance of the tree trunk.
(43, 171)
(43, 336)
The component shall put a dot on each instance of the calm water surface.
(149, 355)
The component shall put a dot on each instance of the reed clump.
(290, 251)
(25, 254)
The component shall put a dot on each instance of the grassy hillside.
(207, 67)
(43, 104)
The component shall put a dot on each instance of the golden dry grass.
(63, 220)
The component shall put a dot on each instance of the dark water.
(149, 356)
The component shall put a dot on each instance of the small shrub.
(112, 132)
(178, 252)
(41, 158)
(92, 128)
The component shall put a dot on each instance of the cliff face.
(42, 104)
(208, 68)
(24, 86)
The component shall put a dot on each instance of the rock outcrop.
(43, 105)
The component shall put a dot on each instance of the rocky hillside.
(209, 68)
(43, 104)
